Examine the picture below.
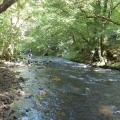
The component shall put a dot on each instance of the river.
(58, 89)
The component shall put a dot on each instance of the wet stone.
(21, 79)
(28, 97)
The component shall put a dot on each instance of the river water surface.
(58, 89)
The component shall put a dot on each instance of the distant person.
(29, 56)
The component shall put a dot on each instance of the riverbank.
(115, 66)
(9, 85)
(112, 65)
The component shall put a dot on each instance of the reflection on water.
(58, 89)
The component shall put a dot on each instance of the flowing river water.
(58, 89)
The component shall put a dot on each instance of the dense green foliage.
(74, 29)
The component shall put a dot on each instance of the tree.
(68, 28)
(12, 30)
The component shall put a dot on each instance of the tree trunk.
(8, 51)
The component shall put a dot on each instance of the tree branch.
(116, 6)
(112, 9)
(104, 18)
(6, 4)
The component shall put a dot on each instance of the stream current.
(58, 89)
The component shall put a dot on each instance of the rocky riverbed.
(59, 89)
(9, 88)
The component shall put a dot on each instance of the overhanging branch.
(6, 4)
(104, 18)
(116, 6)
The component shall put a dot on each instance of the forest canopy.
(81, 30)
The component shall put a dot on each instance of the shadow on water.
(58, 89)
